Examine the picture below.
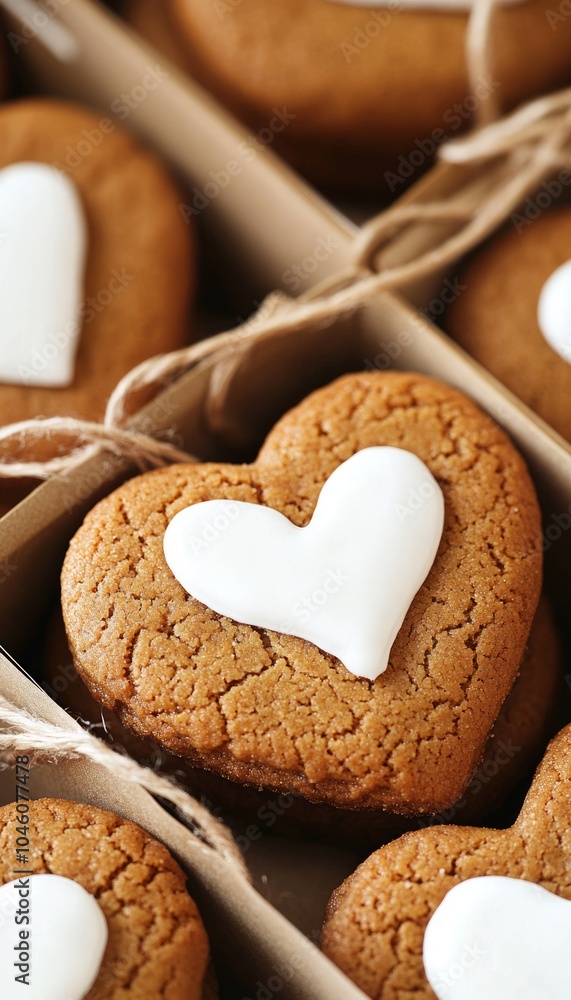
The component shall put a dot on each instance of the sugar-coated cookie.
(514, 312)
(113, 269)
(527, 719)
(376, 924)
(273, 710)
(352, 74)
(111, 915)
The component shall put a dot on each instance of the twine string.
(142, 450)
(480, 57)
(530, 124)
(44, 743)
(518, 152)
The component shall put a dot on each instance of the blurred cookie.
(351, 74)
(514, 313)
(139, 256)
(96, 263)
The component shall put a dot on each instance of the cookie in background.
(514, 312)
(97, 265)
(369, 89)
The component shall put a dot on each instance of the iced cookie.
(427, 906)
(111, 917)
(350, 75)
(95, 256)
(96, 262)
(529, 716)
(419, 574)
(514, 314)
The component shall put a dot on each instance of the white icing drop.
(394, 6)
(554, 311)
(42, 258)
(67, 939)
(345, 582)
(496, 938)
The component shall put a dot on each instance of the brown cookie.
(526, 721)
(375, 923)
(274, 711)
(495, 316)
(157, 943)
(352, 75)
(140, 258)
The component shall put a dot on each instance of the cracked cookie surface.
(374, 928)
(157, 945)
(272, 710)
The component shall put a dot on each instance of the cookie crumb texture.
(157, 948)
(527, 720)
(375, 923)
(272, 710)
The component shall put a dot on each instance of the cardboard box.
(254, 940)
(265, 224)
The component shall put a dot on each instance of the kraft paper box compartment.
(261, 224)
(250, 937)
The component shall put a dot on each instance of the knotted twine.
(44, 743)
(515, 154)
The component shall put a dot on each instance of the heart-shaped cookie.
(42, 257)
(273, 710)
(117, 895)
(52, 939)
(376, 921)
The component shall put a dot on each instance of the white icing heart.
(345, 582)
(554, 311)
(496, 938)
(66, 939)
(42, 259)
